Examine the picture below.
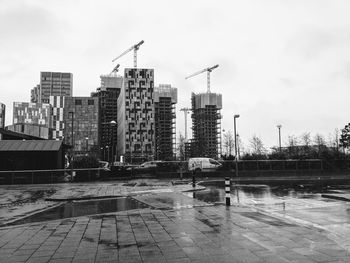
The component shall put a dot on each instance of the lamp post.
(279, 126)
(234, 127)
(222, 134)
(87, 145)
(72, 140)
(113, 124)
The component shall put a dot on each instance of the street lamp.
(223, 131)
(72, 140)
(87, 145)
(279, 126)
(234, 126)
(113, 124)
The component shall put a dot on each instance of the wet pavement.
(173, 225)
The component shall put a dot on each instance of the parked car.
(203, 164)
(145, 167)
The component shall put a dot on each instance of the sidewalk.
(175, 228)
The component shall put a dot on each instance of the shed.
(31, 154)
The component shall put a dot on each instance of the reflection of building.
(31, 129)
(85, 123)
(136, 115)
(206, 124)
(2, 116)
(108, 95)
(57, 123)
(165, 98)
(52, 84)
(32, 113)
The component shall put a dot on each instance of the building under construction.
(206, 124)
(165, 99)
(108, 93)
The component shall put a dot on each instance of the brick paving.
(197, 234)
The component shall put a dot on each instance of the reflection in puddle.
(81, 208)
(258, 195)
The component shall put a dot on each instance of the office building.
(57, 122)
(165, 99)
(81, 114)
(206, 124)
(136, 139)
(32, 113)
(52, 84)
(34, 130)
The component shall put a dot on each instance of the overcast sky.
(281, 62)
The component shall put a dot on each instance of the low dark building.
(31, 155)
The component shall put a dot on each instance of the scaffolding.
(165, 126)
(206, 125)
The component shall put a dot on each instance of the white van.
(203, 164)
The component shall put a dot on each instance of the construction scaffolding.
(206, 125)
(165, 99)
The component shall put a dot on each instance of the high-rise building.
(206, 124)
(32, 113)
(83, 113)
(53, 84)
(34, 94)
(57, 121)
(136, 116)
(165, 98)
(2, 116)
(108, 93)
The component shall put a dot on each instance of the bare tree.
(292, 141)
(257, 145)
(333, 139)
(305, 139)
(228, 142)
(319, 140)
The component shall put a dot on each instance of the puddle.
(82, 208)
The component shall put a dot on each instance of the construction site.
(165, 99)
(206, 121)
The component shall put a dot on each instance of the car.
(147, 166)
(203, 164)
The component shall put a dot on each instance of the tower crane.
(186, 111)
(116, 68)
(208, 70)
(135, 48)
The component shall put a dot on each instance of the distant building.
(165, 99)
(108, 93)
(35, 94)
(2, 116)
(206, 125)
(57, 121)
(85, 112)
(136, 140)
(32, 113)
(52, 84)
(34, 130)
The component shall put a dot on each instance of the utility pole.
(279, 126)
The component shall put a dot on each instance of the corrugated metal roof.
(30, 145)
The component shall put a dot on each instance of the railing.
(48, 176)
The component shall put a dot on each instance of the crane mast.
(186, 111)
(208, 70)
(135, 48)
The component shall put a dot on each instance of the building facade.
(136, 138)
(31, 129)
(32, 113)
(165, 99)
(81, 115)
(57, 121)
(2, 116)
(35, 94)
(206, 125)
(53, 84)
(108, 94)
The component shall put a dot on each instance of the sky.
(280, 62)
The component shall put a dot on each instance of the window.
(78, 102)
(91, 102)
